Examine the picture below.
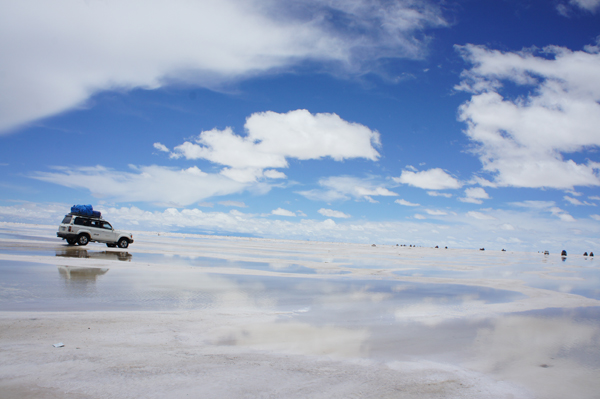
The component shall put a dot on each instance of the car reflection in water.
(104, 255)
(80, 282)
(83, 274)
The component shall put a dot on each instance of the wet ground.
(528, 319)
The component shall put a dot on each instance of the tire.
(123, 243)
(111, 245)
(72, 241)
(83, 239)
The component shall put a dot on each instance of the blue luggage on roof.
(85, 210)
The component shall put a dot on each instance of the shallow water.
(39, 287)
(338, 304)
(339, 316)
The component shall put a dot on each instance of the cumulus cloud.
(419, 216)
(435, 212)
(333, 214)
(438, 194)
(546, 206)
(432, 179)
(535, 230)
(474, 195)
(272, 137)
(238, 204)
(589, 5)
(480, 216)
(575, 201)
(534, 204)
(161, 147)
(525, 141)
(405, 203)
(561, 214)
(274, 174)
(69, 50)
(178, 187)
(345, 187)
(282, 212)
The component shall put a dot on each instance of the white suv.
(78, 229)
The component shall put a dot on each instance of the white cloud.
(179, 187)
(161, 147)
(438, 194)
(432, 179)
(405, 203)
(435, 212)
(575, 201)
(524, 142)
(595, 217)
(238, 204)
(69, 50)
(536, 230)
(534, 204)
(474, 195)
(282, 212)
(324, 195)
(273, 137)
(333, 214)
(480, 216)
(561, 214)
(243, 175)
(274, 174)
(371, 200)
(470, 200)
(419, 216)
(546, 206)
(589, 5)
(480, 181)
(346, 187)
(594, 197)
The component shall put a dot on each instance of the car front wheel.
(123, 243)
(83, 240)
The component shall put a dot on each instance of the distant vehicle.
(79, 229)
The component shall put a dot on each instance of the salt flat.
(180, 315)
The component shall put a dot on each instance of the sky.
(465, 123)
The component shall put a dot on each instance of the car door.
(96, 230)
(107, 232)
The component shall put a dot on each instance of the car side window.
(106, 225)
(95, 223)
(80, 221)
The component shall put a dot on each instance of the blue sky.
(461, 123)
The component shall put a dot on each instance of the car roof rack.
(84, 216)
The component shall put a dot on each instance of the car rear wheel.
(123, 243)
(71, 241)
(83, 239)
